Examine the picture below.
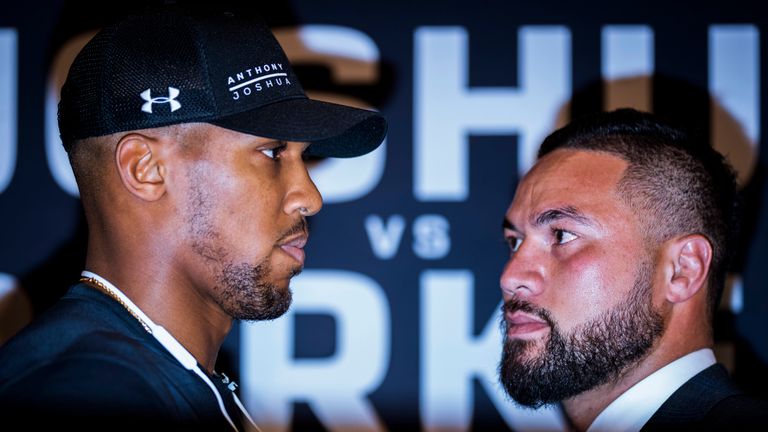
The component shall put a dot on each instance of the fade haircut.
(675, 181)
(91, 157)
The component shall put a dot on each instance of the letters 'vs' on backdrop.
(395, 320)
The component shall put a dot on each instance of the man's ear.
(140, 166)
(690, 258)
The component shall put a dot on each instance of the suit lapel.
(691, 402)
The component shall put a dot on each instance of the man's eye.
(269, 152)
(273, 153)
(563, 236)
(514, 243)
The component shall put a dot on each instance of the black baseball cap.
(176, 65)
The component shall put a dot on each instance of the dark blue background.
(41, 227)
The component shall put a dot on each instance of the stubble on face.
(245, 291)
(594, 353)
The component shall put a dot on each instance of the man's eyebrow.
(507, 225)
(548, 216)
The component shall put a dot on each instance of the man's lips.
(294, 246)
(524, 325)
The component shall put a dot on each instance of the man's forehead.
(568, 179)
(577, 161)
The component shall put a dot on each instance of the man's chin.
(523, 388)
(282, 278)
(271, 312)
(523, 351)
(270, 301)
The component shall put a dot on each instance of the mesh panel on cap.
(103, 92)
(155, 58)
(79, 103)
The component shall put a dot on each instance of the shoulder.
(738, 412)
(84, 322)
(709, 401)
(105, 370)
(108, 378)
(85, 359)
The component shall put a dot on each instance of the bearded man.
(619, 239)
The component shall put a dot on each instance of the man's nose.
(302, 195)
(523, 274)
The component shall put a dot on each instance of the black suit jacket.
(710, 401)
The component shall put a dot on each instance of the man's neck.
(583, 408)
(187, 318)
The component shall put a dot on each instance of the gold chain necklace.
(97, 284)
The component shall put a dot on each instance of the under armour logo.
(173, 93)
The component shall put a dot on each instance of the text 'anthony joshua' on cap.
(175, 66)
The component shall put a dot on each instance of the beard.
(594, 353)
(243, 290)
(245, 293)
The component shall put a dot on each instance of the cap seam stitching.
(206, 66)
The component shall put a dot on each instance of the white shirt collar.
(630, 411)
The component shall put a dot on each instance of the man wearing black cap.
(187, 135)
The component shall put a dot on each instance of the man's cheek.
(589, 281)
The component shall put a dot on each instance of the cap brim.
(333, 130)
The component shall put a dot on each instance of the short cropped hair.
(675, 181)
(91, 157)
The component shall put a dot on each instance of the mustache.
(300, 227)
(516, 304)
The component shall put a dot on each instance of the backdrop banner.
(395, 321)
